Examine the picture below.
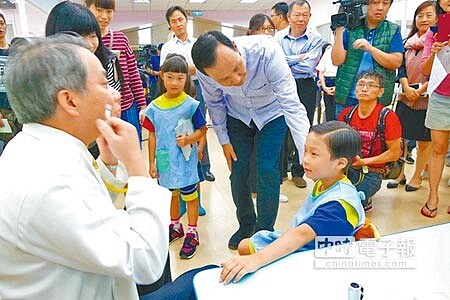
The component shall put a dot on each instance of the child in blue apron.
(332, 209)
(176, 123)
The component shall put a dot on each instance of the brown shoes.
(299, 182)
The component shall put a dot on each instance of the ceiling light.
(197, 1)
(248, 1)
(141, 1)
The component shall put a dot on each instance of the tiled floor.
(394, 210)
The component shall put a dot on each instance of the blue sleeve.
(155, 63)
(345, 39)
(401, 72)
(397, 43)
(330, 219)
(198, 119)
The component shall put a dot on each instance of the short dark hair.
(3, 17)
(372, 74)
(204, 50)
(172, 9)
(281, 8)
(299, 3)
(106, 4)
(341, 139)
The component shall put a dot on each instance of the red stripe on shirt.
(132, 86)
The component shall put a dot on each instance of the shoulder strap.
(381, 126)
(349, 114)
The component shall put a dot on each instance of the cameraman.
(375, 44)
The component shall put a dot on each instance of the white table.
(426, 276)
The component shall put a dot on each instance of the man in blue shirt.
(302, 47)
(375, 44)
(250, 92)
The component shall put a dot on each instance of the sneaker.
(409, 160)
(367, 205)
(283, 198)
(299, 182)
(174, 233)
(189, 245)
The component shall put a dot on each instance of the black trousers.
(306, 90)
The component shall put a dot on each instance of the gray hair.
(36, 71)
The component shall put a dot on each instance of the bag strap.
(382, 125)
(349, 114)
(379, 130)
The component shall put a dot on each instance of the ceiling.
(130, 14)
(129, 5)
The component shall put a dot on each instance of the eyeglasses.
(362, 85)
(267, 28)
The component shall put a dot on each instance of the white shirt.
(178, 46)
(326, 65)
(61, 237)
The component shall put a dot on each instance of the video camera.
(351, 12)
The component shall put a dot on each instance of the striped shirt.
(110, 76)
(132, 86)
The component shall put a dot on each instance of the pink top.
(131, 89)
(444, 88)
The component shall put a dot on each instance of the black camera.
(351, 12)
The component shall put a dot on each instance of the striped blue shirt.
(310, 44)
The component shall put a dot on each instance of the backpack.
(393, 168)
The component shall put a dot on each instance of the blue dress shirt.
(310, 44)
(268, 92)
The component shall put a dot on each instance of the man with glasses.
(278, 14)
(302, 47)
(367, 171)
(376, 44)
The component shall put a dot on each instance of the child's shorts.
(188, 193)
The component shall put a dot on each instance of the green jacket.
(348, 71)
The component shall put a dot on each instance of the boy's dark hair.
(371, 74)
(175, 63)
(173, 9)
(106, 4)
(281, 8)
(204, 52)
(3, 17)
(341, 139)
